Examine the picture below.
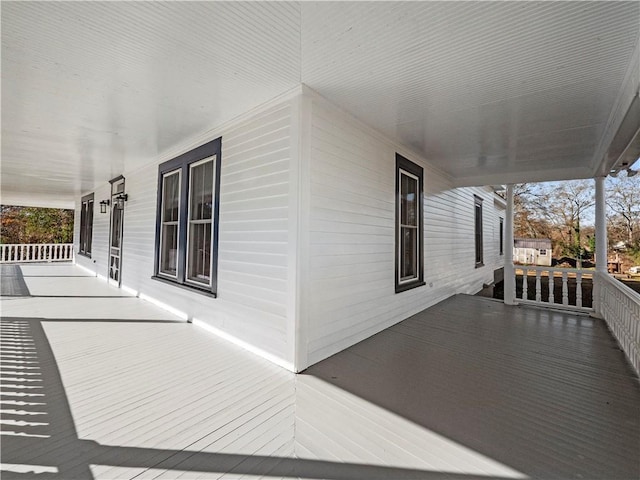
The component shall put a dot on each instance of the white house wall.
(100, 242)
(351, 286)
(306, 257)
(254, 279)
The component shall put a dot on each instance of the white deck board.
(117, 388)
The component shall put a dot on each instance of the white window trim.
(162, 222)
(189, 222)
(416, 276)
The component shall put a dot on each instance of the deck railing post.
(579, 289)
(601, 246)
(509, 269)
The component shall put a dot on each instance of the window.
(409, 225)
(86, 225)
(543, 251)
(501, 236)
(478, 231)
(187, 218)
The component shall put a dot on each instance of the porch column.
(509, 270)
(601, 243)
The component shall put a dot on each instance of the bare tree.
(555, 210)
(623, 200)
(528, 222)
(566, 204)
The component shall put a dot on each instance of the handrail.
(36, 252)
(566, 301)
(620, 308)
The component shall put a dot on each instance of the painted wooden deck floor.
(99, 384)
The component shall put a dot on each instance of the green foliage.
(35, 225)
(634, 254)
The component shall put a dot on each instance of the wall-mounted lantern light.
(120, 199)
(103, 206)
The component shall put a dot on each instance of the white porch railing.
(36, 252)
(555, 287)
(620, 308)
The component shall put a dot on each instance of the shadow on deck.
(468, 389)
(546, 393)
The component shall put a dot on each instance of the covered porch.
(510, 392)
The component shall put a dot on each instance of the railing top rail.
(538, 268)
(625, 289)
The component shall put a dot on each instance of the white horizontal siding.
(98, 262)
(351, 289)
(253, 253)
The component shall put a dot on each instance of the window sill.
(86, 255)
(409, 286)
(479, 265)
(184, 286)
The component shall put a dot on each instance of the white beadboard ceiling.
(491, 92)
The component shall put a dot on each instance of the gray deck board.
(112, 387)
(547, 394)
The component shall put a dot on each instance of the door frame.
(117, 189)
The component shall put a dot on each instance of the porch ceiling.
(491, 92)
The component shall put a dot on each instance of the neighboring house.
(621, 246)
(532, 251)
(296, 231)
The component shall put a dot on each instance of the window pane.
(409, 253)
(200, 215)
(116, 227)
(478, 231)
(201, 191)
(89, 229)
(169, 252)
(170, 197)
(83, 227)
(200, 252)
(409, 200)
(169, 227)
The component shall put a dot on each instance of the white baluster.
(551, 287)
(525, 286)
(579, 289)
(565, 289)
(538, 287)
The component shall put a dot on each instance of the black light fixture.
(120, 199)
(103, 205)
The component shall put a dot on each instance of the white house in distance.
(532, 251)
(298, 176)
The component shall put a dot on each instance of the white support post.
(509, 270)
(601, 245)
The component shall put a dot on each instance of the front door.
(118, 199)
